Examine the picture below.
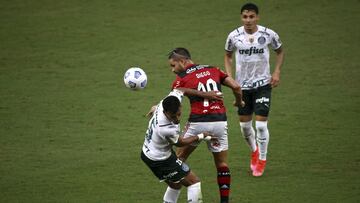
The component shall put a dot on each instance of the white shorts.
(218, 129)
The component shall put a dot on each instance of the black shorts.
(171, 169)
(256, 101)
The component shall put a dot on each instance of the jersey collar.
(189, 66)
(183, 73)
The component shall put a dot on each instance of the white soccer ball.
(135, 78)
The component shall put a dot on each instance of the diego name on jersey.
(252, 55)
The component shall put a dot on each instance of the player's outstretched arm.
(202, 136)
(229, 82)
(212, 95)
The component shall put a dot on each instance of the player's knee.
(181, 154)
(175, 186)
(190, 179)
(195, 185)
(197, 180)
(246, 128)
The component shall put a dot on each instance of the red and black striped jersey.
(203, 78)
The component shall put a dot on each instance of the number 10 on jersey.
(209, 86)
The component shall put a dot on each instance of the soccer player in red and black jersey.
(206, 115)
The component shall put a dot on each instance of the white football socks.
(262, 136)
(171, 195)
(194, 193)
(249, 134)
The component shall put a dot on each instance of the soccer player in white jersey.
(157, 153)
(251, 43)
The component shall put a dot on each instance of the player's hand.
(213, 95)
(239, 104)
(209, 137)
(151, 112)
(275, 79)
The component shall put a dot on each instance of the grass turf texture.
(71, 132)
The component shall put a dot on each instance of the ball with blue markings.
(135, 78)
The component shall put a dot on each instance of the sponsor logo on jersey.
(258, 83)
(215, 107)
(195, 68)
(170, 175)
(252, 50)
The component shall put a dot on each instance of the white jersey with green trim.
(252, 55)
(161, 133)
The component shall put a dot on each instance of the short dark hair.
(171, 104)
(250, 7)
(179, 52)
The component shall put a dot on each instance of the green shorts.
(171, 169)
(256, 101)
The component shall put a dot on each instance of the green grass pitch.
(71, 132)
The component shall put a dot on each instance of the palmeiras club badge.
(261, 40)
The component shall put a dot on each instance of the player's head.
(179, 52)
(178, 59)
(249, 16)
(172, 108)
(250, 7)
